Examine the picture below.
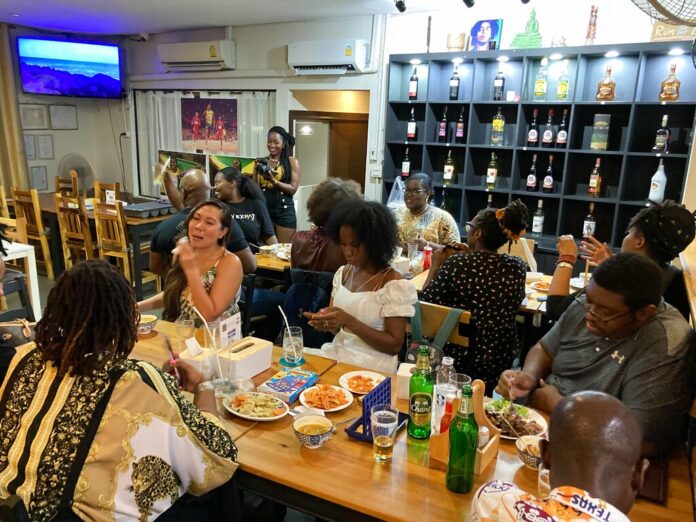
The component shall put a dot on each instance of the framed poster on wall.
(33, 116)
(63, 117)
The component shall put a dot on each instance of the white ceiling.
(154, 16)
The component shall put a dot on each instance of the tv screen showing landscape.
(69, 68)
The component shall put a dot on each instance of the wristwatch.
(203, 386)
(564, 264)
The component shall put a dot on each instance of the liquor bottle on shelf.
(406, 165)
(498, 129)
(538, 219)
(562, 135)
(489, 204)
(492, 172)
(606, 88)
(547, 186)
(589, 225)
(442, 127)
(532, 179)
(669, 88)
(413, 85)
(411, 128)
(463, 443)
(443, 201)
(454, 84)
(594, 188)
(563, 84)
(459, 129)
(658, 184)
(662, 137)
(540, 83)
(448, 169)
(547, 135)
(533, 132)
(499, 86)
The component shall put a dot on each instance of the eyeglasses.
(588, 308)
(414, 191)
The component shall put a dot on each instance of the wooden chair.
(4, 208)
(525, 254)
(16, 231)
(101, 188)
(68, 186)
(432, 317)
(112, 240)
(27, 206)
(75, 233)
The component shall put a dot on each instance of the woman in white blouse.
(370, 302)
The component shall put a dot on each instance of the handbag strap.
(443, 333)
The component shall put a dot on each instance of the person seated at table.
(659, 232)
(619, 337)
(195, 189)
(593, 454)
(421, 222)
(89, 433)
(247, 204)
(313, 249)
(205, 274)
(489, 285)
(370, 302)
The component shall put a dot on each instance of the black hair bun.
(516, 217)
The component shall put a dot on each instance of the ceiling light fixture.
(469, 3)
(612, 54)
(414, 61)
(457, 60)
(676, 52)
(502, 58)
(400, 5)
(555, 56)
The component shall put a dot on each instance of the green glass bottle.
(420, 392)
(463, 438)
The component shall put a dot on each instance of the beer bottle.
(420, 392)
(463, 438)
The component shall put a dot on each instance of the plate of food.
(541, 286)
(360, 382)
(518, 420)
(580, 282)
(326, 397)
(282, 251)
(256, 406)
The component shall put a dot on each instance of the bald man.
(593, 454)
(194, 188)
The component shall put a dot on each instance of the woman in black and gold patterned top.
(279, 179)
(88, 433)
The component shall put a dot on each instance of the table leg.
(34, 284)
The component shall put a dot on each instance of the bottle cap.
(448, 360)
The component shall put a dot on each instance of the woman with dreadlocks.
(74, 408)
(659, 232)
(279, 178)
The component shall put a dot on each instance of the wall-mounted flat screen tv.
(61, 68)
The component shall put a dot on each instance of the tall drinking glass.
(384, 419)
(292, 347)
(184, 331)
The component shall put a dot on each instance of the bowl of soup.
(313, 430)
(147, 323)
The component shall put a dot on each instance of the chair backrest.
(308, 291)
(432, 317)
(16, 282)
(27, 206)
(524, 249)
(111, 227)
(16, 229)
(68, 186)
(101, 188)
(4, 209)
(75, 233)
(246, 301)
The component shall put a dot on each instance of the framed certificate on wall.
(63, 117)
(33, 116)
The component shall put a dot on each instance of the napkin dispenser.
(243, 359)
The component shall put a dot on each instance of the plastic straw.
(287, 325)
(212, 339)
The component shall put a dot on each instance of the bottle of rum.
(562, 135)
(454, 83)
(533, 132)
(547, 136)
(662, 137)
(498, 129)
(406, 165)
(413, 85)
(669, 88)
(606, 89)
(492, 172)
(499, 86)
(448, 170)
(594, 189)
(442, 127)
(540, 83)
(658, 184)
(547, 186)
(563, 84)
(538, 219)
(532, 179)
(459, 129)
(589, 225)
(411, 128)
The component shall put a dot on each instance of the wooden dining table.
(341, 481)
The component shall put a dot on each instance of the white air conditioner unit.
(216, 55)
(329, 56)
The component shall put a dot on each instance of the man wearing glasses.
(620, 338)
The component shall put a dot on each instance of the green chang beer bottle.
(420, 392)
(463, 439)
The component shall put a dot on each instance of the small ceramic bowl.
(528, 451)
(267, 250)
(147, 323)
(313, 441)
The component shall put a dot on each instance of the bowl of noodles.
(312, 429)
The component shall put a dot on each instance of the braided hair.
(90, 319)
(668, 228)
(504, 225)
(288, 146)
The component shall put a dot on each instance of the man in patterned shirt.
(621, 338)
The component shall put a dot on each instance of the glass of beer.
(384, 419)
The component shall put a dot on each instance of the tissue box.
(400, 264)
(403, 376)
(245, 358)
(201, 361)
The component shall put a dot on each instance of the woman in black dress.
(489, 285)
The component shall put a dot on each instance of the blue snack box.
(288, 383)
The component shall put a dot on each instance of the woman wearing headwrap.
(659, 232)
(279, 182)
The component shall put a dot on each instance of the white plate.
(343, 381)
(252, 417)
(534, 276)
(540, 286)
(532, 415)
(346, 393)
(579, 282)
(283, 254)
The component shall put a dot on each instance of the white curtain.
(255, 115)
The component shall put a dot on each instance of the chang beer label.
(421, 406)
